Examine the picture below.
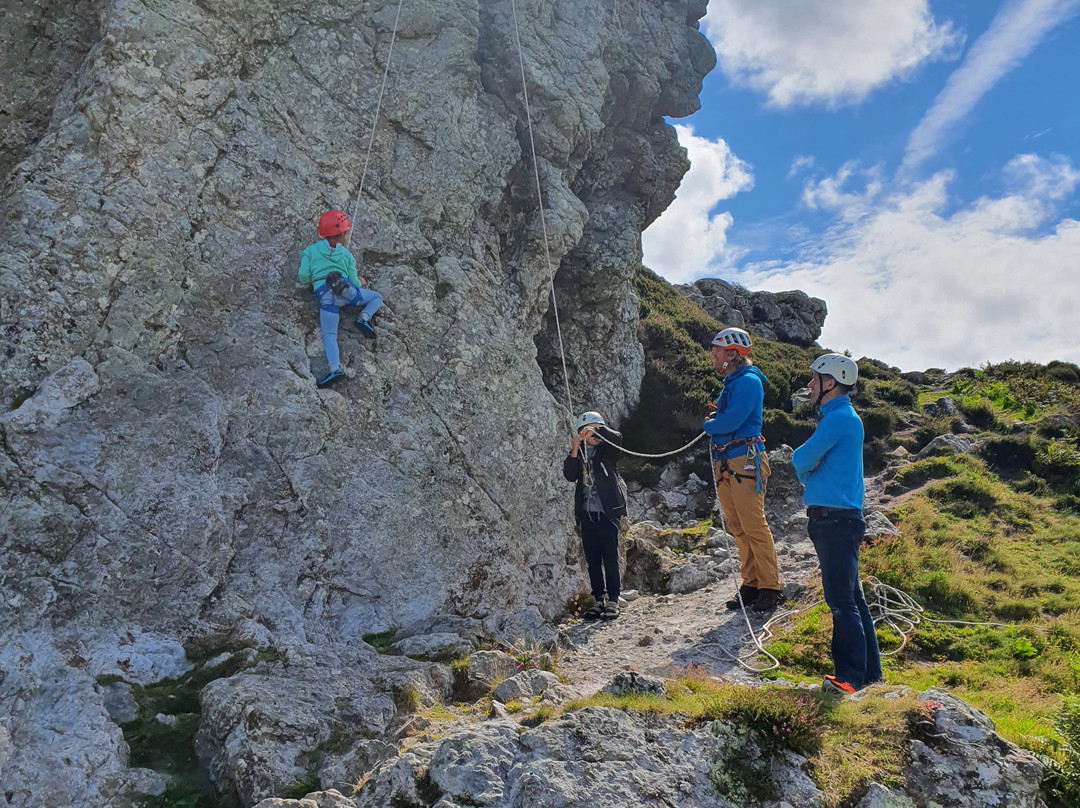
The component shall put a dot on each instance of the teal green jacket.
(319, 260)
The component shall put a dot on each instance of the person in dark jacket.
(599, 506)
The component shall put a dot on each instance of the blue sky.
(915, 163)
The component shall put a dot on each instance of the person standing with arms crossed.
(830, 465)
(741, 469)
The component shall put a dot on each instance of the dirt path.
(656, 633)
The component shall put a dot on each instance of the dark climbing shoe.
(366, 328)
(611, 610)
(767, 600)
(748, 594)
(834, 685)
(331, 377)
(594, 612)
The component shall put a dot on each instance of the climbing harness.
(751, 462)
(337, 283)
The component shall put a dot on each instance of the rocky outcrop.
(169, 469)
(602, 756)
(783, 316)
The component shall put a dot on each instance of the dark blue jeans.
(836, 538)
(600, 541)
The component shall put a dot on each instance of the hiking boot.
(748, 594)
(767, 600)
(594, 612)
(330, 378)
(366, 328)
(834, 685)
(611, 610)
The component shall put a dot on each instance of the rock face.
(169, 468)
(601, 756)
(784, 316)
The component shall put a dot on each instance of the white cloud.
(833, 52)
(1018, 27)
(804, 162)
(830, 193)
(689, 237)
(912, 286)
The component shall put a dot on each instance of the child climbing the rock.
(331, 270)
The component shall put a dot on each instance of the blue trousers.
(329, 303)
(837, 538)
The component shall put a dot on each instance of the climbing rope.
(540, 201)
(378, 108)
(642, 454)
(766, 634)
(900, 612)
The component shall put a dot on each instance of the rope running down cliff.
(378, 108)
(540, 202)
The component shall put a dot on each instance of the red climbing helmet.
(334, 223)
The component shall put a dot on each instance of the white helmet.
(734, 338)
(840, 367)
(588, 418)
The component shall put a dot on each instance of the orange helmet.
(334, 223)
(734, 339)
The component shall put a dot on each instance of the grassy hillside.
(989, 539)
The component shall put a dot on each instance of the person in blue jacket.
(830, 465)
(331, 270)
(741, 469)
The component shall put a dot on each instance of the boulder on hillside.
(793, 317)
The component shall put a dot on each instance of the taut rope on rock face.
(543, 219)
(378, 109)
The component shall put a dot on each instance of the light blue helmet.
(588, 419)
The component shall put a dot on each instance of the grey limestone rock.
(170, 468)
(258, 726)
(632, 682)
(690, 577)
(878, 796)
(331, 798)
(943, 444)
(442, 645)
(963, 763)
(527, 684)
(878, 525)
(482, 671)
(783, 316)
(943, 406)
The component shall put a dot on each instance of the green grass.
(989, 537)
(380, 641)
(972, 548)
(170, 749)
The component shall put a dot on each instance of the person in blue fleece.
(331, 270)
(830, 465)
(741, 469)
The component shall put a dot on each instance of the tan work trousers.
(744, 511)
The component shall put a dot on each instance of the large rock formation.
(170, 470)
(783, 316)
